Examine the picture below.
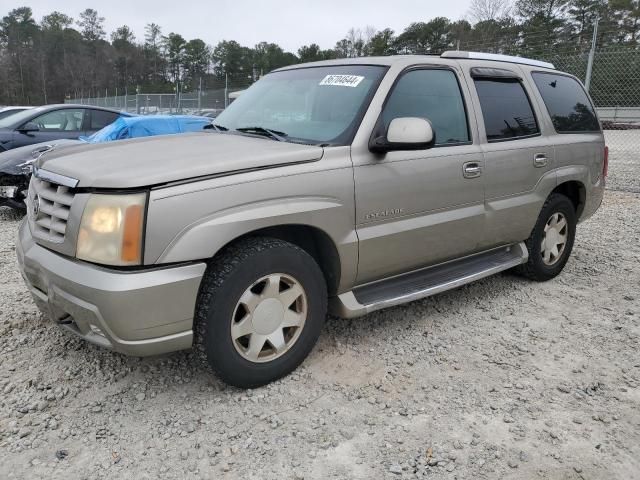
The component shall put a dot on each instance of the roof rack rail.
(495, 57)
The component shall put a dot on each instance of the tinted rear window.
(568, 104)
(506, 109)
(100, 119)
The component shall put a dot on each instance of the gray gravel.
(624, 152)
(500, 379)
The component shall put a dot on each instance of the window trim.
(580, 85)
(377, 129)
(528, 97)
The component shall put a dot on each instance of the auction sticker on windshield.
(342, 80)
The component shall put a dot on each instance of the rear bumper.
(593, 200)
(136, 313)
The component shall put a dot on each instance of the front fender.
(204, 238)
(193, 222)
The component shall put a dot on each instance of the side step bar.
(426, 282)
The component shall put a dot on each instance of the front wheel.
(551, 240)
(260, 311)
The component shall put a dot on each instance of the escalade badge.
(389, 212)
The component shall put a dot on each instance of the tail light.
(605, 164)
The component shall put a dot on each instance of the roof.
(445, 59)
(93, 107)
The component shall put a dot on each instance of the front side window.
(569, 106)
(506, 109)
(318, 105)
(432, 94)
(65, 120)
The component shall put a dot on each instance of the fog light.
(8, 192)
(96, 330)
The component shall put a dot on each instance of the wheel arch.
(312, 240)
(575, 191)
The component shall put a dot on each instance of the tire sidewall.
(220, 350)
(557, 204)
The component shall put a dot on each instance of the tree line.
(62, 57)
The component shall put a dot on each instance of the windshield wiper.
(217, 128)
(275, 134)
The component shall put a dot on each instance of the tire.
(253, 280)
(542, 265)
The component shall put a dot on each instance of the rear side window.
(101, 118)
(568, 104)
(432, 94)
(506, 109)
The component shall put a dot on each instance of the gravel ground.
(500, 379)
(624, 151)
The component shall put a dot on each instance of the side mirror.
(29, 127)
(406, 133)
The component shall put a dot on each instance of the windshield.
(17, 119)
(318, 105)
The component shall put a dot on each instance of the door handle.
(540, 160)
(471, 170)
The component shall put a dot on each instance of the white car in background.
(6, 111)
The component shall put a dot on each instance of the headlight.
(111, 229)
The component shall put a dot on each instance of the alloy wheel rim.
(554, 239)
(269, 317)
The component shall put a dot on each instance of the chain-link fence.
(200, 101)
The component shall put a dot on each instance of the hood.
(10, 159)
(155, 160)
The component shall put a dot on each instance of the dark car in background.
(53, 122)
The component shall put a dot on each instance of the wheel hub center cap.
(268, 316)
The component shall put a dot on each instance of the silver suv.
(348, 185)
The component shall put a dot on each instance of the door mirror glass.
(29, 127)
(405, 133)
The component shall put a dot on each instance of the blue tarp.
(148, 126)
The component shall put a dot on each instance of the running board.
(426, 282)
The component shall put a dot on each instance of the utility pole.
(200, 94)
(226, 90)
(592, 53)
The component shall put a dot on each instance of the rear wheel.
(551, 240)
(260, 311)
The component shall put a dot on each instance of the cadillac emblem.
(35, 207)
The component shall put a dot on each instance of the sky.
(288, 23)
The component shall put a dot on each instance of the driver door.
(419, 208)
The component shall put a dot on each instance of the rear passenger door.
(516, 153)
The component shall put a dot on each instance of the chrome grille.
(49, 206)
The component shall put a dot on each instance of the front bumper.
(136, 313)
